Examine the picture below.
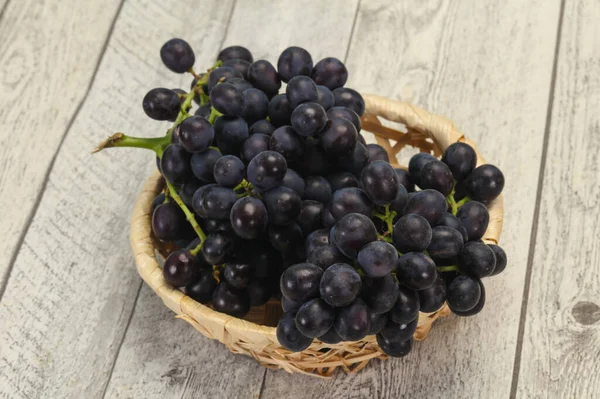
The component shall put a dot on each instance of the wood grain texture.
(178, 361)
(74, 284)
(487, 66)
(561, 342)
(48, 53)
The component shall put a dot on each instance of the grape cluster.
(273, 192)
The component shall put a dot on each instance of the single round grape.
(477, 259)
(406, 308)
(341, 180)
(158, 200)
(330, 72)
(380, 294)
(217, 202)
(380, 182)
(327, 218)
(415, 165)
(248, 217)
(500, 259)
(436, 175)
(181, 268)
(315, 161)
(168, 222)
(340, 285)
(478, 307)
(300, 282)
(288, 305)
(399, 203)
(325, 256)
(394, 348)
(198, 200)
(227, 99)
(377, 153)
(285, 141)
(221, 74)
(229, 171)
(463, 293)
(177, 55)
(449, 220)
(285, 238)
(203, 111)
(203, 163)
(280, 110)
(475, 218)
(485, 183)
(309, 218)
(175, 164)
(256, 105)
(216, 248)
(353, 322)
(345, 113)
(235, 52)
(461, 159)
(416, 271)
(432, 299)
(339, 136)
(352, 232)
(316, 239)
(263, 76)
(377, 321)
(349, 200)
(325, 97)
(317, 188)
(239, 65)
(355, 161)
(260, 291)
(308, 119)
(289, 336)
(267, 170)
(230, 134)
(411, 233)
(315, 318)
(346, 97)
(430, 204)
(294, 61)
(202, 290)
(240, 84)
(283, 205)
(216, 226)
(294, 181)
(238, 275)
(161, 104)
(262, 126)
(377, 258)
(405, 180)
(446, 242)
(188, 189)
(331, 337)
(196, 134)
(254, 145)
(301, 89)
(399, 332)
(232, 301)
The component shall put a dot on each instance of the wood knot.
(586, 313)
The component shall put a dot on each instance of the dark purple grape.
(300, 282)
(196, 134)
(478, 307)
(449, 220)
(432, 299)
(175, 164)
(500, 259)
(345, 97)
(280, 110)
(294, 61)
(346, 113)
(461, 159)
(330, 72)
(349, 200)
(229, 171)
(338, 137)
(477, 259)
(262, 126)
(310, 217)
(202, 290)
(216, 202)
(352, 322)
(289, 336)
(377, 258)
(240, 84)
(325, 256)
(285, 238)
(380, 294)
(202, 164)
(327, 218)
(216, 248)
(283, 205)
(430, 204)
(260, 291)
(394, 348)
(340, 285)
(249, 217)
(168, 222)
(315, 318)
(285, 141)
(436, 175)
(237, 274)
(232, 301)
(198, 200)
(161, 104)
(267, 170)
(446, 243)
(415, 165)
(405, 180)
(239, 65)
(263, 76)
(254, 145)
(216, 226)
(400, 202)
(317, 188)
(204, 111)
(331, 337)
(308, 119)
(377, 153)
(227, 99)
(289, 306)
(256, 105)
(463, 293)
(416, 271)
(294, 181)
(352, 232)
(225, 73)
(316, 239)
(315, 161)
(380, 182)
(177, 55)
(411, 233)
(230, 134)
(377, 322)
(188, 190)
(301, 89)
(341, 180)
(158, 200)
(485, 183)
(475, 218)
(233, 52)
(325, 97)
(406, 308)
(181, 268)
(399, 332)
(355, 161)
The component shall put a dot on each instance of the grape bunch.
(274, 192)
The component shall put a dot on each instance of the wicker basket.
(425, 131)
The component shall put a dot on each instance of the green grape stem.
(189, 215)
(451, 268)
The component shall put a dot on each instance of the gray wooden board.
(74, 283)
(561, 341)
(48, 53)
(487, 66)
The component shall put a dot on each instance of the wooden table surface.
(520, 77)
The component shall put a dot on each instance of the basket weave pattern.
(428, 132)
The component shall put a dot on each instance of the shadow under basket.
(255, 335)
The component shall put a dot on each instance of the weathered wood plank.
(74, 283)
(161, 357)
(561, 339)
(487, 66)
(48, 54)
